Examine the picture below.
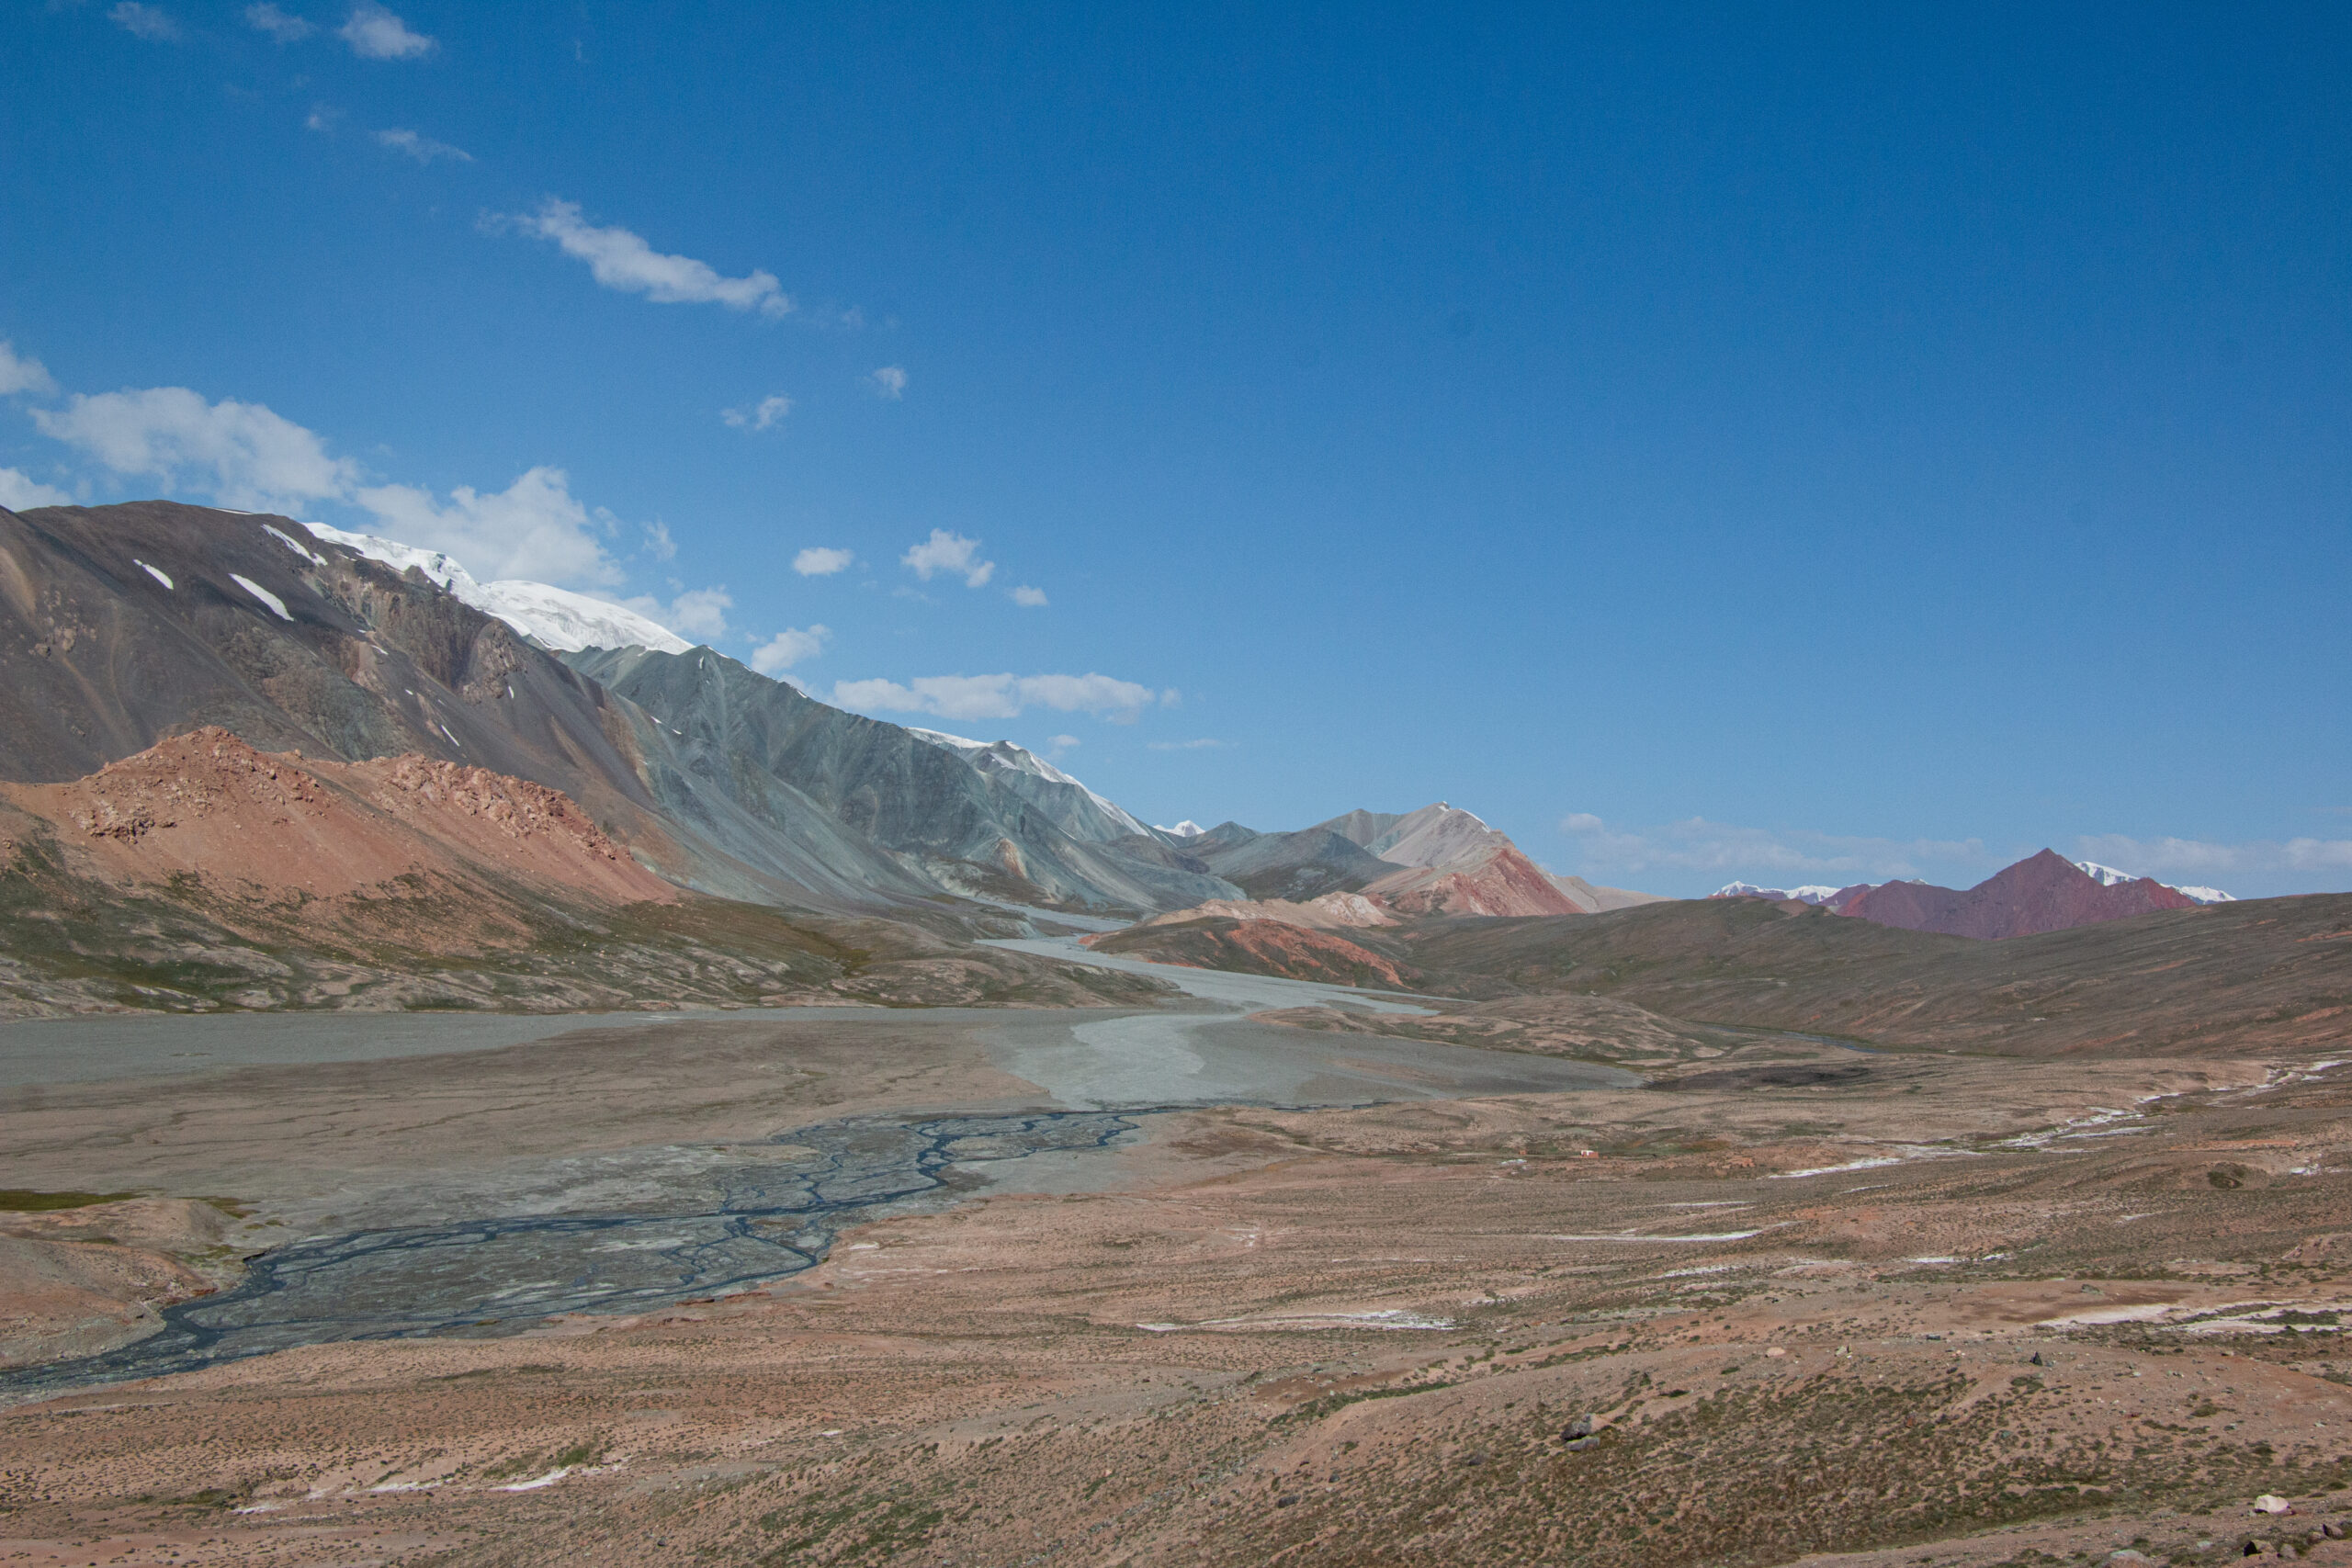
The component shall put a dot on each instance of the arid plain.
(1759, 1298)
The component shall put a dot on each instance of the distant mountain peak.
(1187, 829)
(2044, 892)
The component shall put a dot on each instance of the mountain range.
(296, 650)
(2044, 892)
(186, 689)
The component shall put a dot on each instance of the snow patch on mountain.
(1811, 893)
(1187, 829)
(555, 617)
(2107, 876)
(277, 605)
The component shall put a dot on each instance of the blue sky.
(1796, 443)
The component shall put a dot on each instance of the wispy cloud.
(788, 647)
(322, 117)
(817, 560)
(698, 613)
(20, 374)
(1000, 696)
(950, 553)
(1697, 845)
(767, 414)
(278, 24)
(658, 542)
(424, 148)
(1057, 744)
(19, 491)
(2197, 857)
(143, 21)
(1204, 744)
(623, 261)
(890, 381)
(374, 33)
(1029, 598)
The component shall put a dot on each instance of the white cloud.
(424, 148)
(2192, 857)
(768, 414)
(1204, 744)
(1057, 744)
(244, 455)
(143, 21)
(817, 560)
(22, 375)
(788, 647)
(1000, 696)
(374, 33)
(657, 543)
(1029, 598)
(278, 24)
(890, 381)
(620, 260)
(322, 118)
(533, 528)
(698, 612)
(950, 553)
(1697, 845)
(19, 491)
(239, 454)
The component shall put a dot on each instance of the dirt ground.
(1794, 1304)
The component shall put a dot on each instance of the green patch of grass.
(25, 1201)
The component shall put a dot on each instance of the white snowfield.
(1811, 893)
(555, 618)
(2107, 876)
(1187, 829)
(1004, 754)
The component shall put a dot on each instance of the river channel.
(772, 1209)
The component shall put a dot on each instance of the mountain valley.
(645, 1113)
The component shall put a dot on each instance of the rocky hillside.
(779, 757)
(123, 625)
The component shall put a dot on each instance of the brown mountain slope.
(1258, 947)
(2255, 975)
(2045, 892)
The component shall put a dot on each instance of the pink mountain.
(2046, 892)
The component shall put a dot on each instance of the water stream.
(497, 1274)
(772, 1209)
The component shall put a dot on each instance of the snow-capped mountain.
(2107, 876)
(1106, 820)
(557, 617)
(1187, 829)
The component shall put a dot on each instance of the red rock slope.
(2045, 892)
(1500, 881)
(268, 826)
